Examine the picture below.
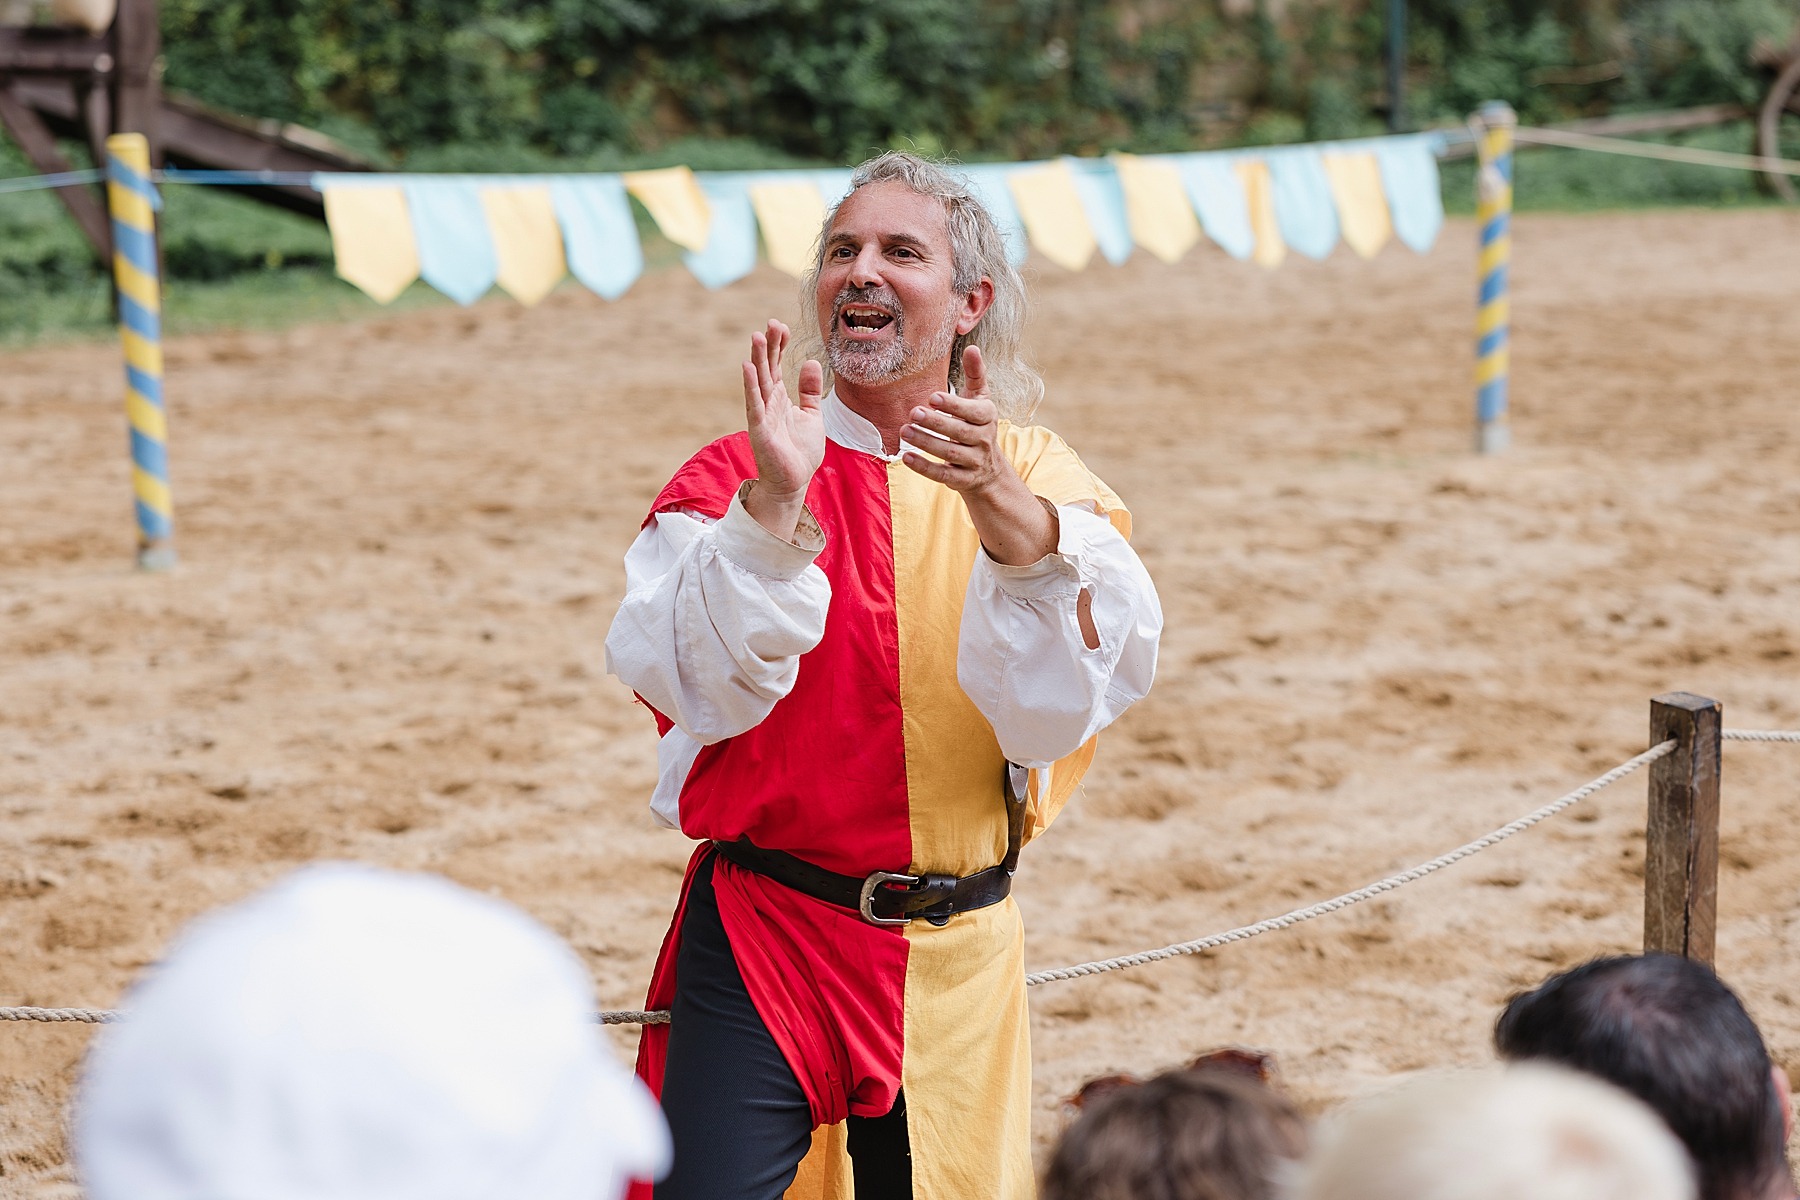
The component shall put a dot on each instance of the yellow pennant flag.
(372, 239)
(790, 214)
(1157, 206)
(676, 204)
(1361, 201)
(1051, 209)
(1259, 197)
(527, 240)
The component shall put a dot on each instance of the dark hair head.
(1665, 1029)
(1185, 1135)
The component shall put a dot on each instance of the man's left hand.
(963, 431)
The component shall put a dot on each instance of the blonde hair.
(977, 251)
(1525, 1130)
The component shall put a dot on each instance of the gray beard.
(862, 364)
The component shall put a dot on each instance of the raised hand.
(787, 436)
(963, 432)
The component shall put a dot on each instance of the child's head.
(1190, 1134)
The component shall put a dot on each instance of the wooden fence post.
(1681, 837)
(136, 83)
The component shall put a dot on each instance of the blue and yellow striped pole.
(133, 201)
(1494, 144)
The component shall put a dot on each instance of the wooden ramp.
(68, 83)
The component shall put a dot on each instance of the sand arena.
(401, 545)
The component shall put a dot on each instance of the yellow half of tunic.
(966, 1070)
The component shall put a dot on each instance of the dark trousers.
(739, 1120)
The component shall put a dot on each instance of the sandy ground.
(401, 548)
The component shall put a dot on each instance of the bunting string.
(465, 234)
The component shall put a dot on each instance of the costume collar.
(853, 431)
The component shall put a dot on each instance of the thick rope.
(90, 1016)
(1198, 945)
(1245, 932)
(636, 1016)
(103, 1016)
(61, 179)
(1572, 140)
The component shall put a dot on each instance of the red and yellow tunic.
(878, 760)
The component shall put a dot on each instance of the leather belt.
(891, 897)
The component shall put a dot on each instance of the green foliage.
(826, 79)
(833, 80)
(546, 85)
(1478, 50)
(1690, 52)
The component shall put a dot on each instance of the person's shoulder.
(1051, 468)
(1038, 451)
(1029, 441)
(707, 481)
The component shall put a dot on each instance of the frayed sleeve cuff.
(748, 545)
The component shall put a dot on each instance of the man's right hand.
(786, 436)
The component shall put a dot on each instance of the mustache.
(884, 296)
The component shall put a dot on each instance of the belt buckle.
(878, 879)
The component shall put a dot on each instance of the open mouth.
(865, 319)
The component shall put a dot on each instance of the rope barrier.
(262, 178)
(33, 183)
(104, 1016)
(87, 1016)
(1245, 932)
(63, 179)
(1571, 140)
(101, 1016)
(635, 1016)
(1537, 135)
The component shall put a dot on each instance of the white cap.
(358, 1034)
(1526, 1129)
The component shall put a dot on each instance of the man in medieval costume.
(880, 630)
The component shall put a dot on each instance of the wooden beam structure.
(80, 66)
(54, 52)
(85, 87)
(136, 89)
(35, 138)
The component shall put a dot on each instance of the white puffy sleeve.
(1022, 658)
(716, 616)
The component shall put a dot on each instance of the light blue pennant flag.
(1304, 207)
(833, 185)
(1103, 200)
(1218, 199)
(730, 252)
(988, 182)
(1409, 176)
(600, 239)
(456, 253)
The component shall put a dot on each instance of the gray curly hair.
(977, 249)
